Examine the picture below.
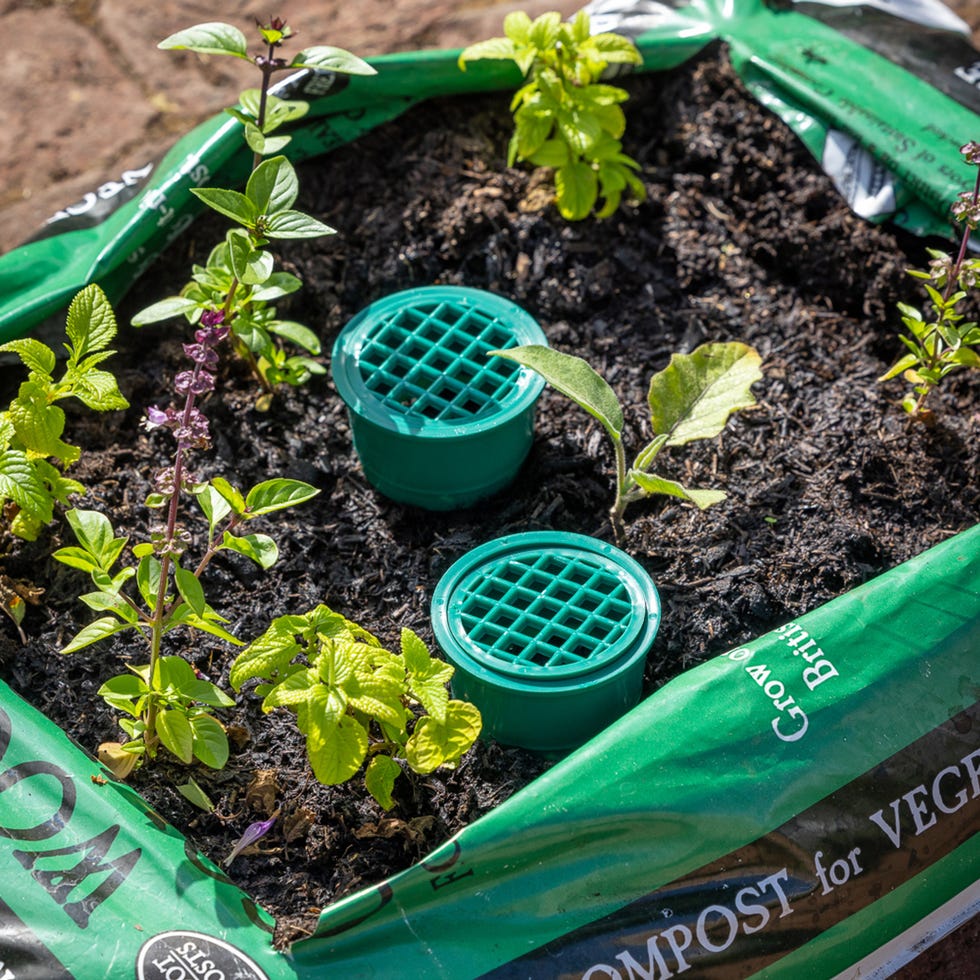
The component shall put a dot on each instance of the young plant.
(239, 277)
(690, 399)
(353, 699)
(32, 426)
(564, 117)
(164, 701)
(939, 342)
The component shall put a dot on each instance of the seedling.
(939, 342)
(353, 699)
(564, 117)
(239, 277)
(690, 399)
(164, 701)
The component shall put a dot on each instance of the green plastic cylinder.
(436, 421)
(549, 633)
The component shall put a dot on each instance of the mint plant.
(31, 427)
(353, 699)
(239, 277)
(939, 341)
(564, 116)
(691, 399)
(164, 701)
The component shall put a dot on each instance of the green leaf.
(379, 778)
(76, 558)
(20, 483)
(326, 58)
(576, 379)
(300, 335)
(39, 424)
(551, 153)
(250, 265)
(277, 285)
(196, 796)
(964, 357)
(259, 547)
(94, 632)
(110, 602)
(185, 616)
(295, 224)
(268, 654)
(900, 366)
(99, 391)
(230, 494)
(175, 732)
(189, 587)
(616, 49)
(204, 692)
(148, 580)
(94, 533)
(576, 187)
(36, 356)
(231, 204)
(434, 743)
(544, 30)
(277, 494)
(214, 506)
(165, 309)
(652, 484)
(273, 186)
(495, 49)
(210, 38)
(694, 395)
(91, 323)
(209, 741)
(264, 145)
(427, 677)
(336, 750)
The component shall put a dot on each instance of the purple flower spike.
(198, 383)
(202, 354)
(212, 318)
(254, 832)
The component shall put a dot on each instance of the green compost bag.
(882, 93)
(800, 806)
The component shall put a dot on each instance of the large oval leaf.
(694, 395)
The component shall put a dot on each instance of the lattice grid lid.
(547, 613)
(422, 355)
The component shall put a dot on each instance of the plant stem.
(619, 505)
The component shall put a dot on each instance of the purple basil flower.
(254, 832)
(202, 354)
(196, 382)
(971, 151)
(211, 336)
(212, 318)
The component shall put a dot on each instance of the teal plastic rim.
(417, 361)
(548, 632)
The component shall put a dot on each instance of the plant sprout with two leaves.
(691, 399)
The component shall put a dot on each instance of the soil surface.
(741, 238)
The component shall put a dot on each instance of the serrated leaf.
(379, 779)
(434, 744)
(99, 391)
(575, 378)
(494, 48)
(326, 58)
(20, 483)
(39, 424)
(427, 676)
(336, 751)
(652, 484)
(272, 495)
(267, 655)
(210, 38)
(35, 356)
(91, 322)
(695, 394)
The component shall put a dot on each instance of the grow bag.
(799, 806)
(779, 809)
(882, 94)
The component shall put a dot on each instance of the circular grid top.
(422, 356)
(547, 614)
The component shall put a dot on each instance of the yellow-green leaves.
(564, 117)
(692, 398)
(353, 702)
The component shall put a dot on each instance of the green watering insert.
(549, 634)
(436, 421)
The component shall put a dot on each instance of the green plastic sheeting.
(784, 809)
(825, 82)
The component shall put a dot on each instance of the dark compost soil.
(741, 237)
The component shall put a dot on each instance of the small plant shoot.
(164, 701)
(354, 700)
(565, 118)
(691, 399)
(939, 341)
(239, 277)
